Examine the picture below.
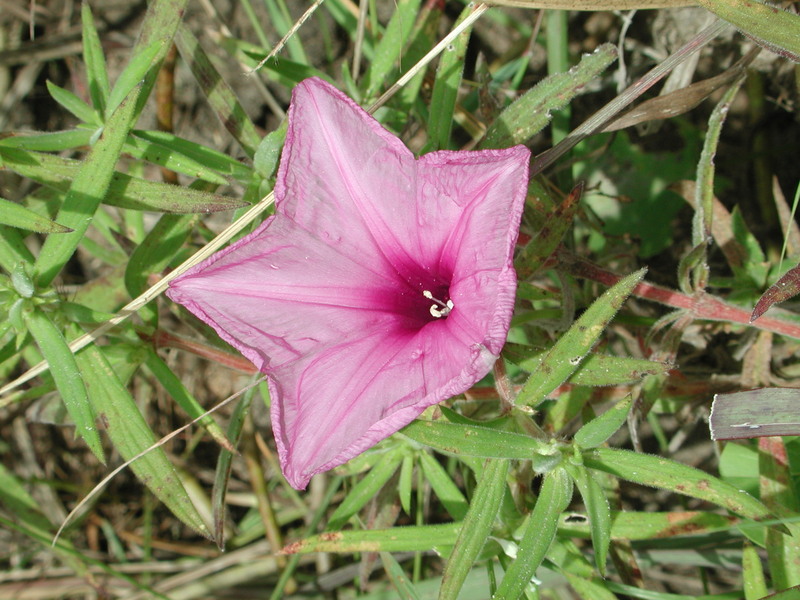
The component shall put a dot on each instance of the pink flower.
(382, 285)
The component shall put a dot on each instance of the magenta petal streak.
(327, 296)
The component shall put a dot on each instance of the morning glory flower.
(382, 285)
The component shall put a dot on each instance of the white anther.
(440, 309)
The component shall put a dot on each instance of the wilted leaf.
(755, 413)
(783, 289)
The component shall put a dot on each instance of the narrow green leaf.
(630, 525)
(444, 487)
(398, 577)
(96, 71)
(476, 528)
(792, 593)
(755, 584)
(598, 430)
(597, 509)
(590, 589)
(269, 151)
(157, 250)
(531, 113)
(184, 398)
(76, 106)
(144, 58)
(14, 215)
(131, 435)
(461, 439)
(365, 489)
(18, 502)
(170, 159)
(67, 376)
(404, 485)
(229, 110)
(91, 184)
(552, 229)
(446, 86)
(569, 351)
(212, 159)
(54, 141)
(13, 249)
(398, 539)
(655, 471)
(224, 463)
(539, 532)
(389, 50)
(772, 27)
(777, 492)
(123, 191)
(595, 370)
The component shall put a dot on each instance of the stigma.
(439, 309)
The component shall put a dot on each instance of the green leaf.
(170, 159)
(389, 50)
(14, 215)
(212, 159)
(153, 255)
(67, 376)
(476, 527)
(755, 585)
(18, 502)
(538, 534)
(365, 489)
(772, 27)
(551, 230)
(144, 58)
(655, 471)
(599, 429)
(531, 113)
(123, 190)
(398, 577)
(76, 106)
(96, 71)
(446, 86)
(597, 509)
(89, 187)
(405, 484)
(223, 100)
(269, 151)
(444, 487)
(461, 439)
(595, 370)
(54, 141)
(630, 525)
(222, 472)
(13, 249)
(131, 435)
(398, 539)
(569, 351)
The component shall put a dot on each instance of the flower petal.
(328, 296)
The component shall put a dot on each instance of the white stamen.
(440, 309)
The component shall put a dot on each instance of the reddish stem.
(702, 306)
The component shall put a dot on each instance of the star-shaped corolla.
(382, 285)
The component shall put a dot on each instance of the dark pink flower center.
(424, 297)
